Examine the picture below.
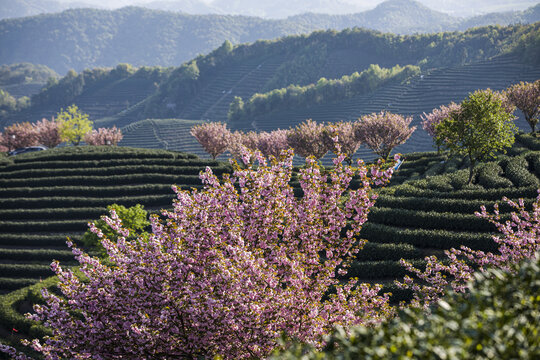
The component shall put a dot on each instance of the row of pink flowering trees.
(381, 132)
(47, 132)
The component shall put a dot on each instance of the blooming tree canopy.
(104, 136)
(214, 137)
(383, 131)
(233, 266)
(343, 134)
(307, 139)
(526, 97)
(431, 120)
(273, 143)
(19, 135)
(48, 133)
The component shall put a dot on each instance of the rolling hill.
(86, 38)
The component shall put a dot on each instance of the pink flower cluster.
(526, 97)
(434, 118)
(232, 268)
(44, 132)
(520, 240)
(104, 136)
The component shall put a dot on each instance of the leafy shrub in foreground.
(499, 318)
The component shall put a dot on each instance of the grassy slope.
(427, 209)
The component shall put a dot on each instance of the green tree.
(135, 219)
(481, 128)
(236, 109)
(73, 124)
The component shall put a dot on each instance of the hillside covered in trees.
(205, 87)
(86, 38)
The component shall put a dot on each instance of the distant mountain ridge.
(88, 38)
(277, 9)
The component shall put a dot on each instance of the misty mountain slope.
(87, 38)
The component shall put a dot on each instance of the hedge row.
(517, 171)
(377, 252)
(476, 194)
(44, 226)
(118, 170)
(432, 239)
(39, 241)
(101, 153)
(531, 142)
(90, 191)
(489, 176)
(9, 316)
(372, 270)
(11, 284)
(53, 214)
(133, 179)
(429, 219)
(36, 254)
(25, 270)
(62, 202)
(107, 163)
(458, 206)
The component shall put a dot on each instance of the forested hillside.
(86, 38)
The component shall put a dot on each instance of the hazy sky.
(458, 6)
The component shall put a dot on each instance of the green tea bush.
(432, 239)
(499, 318)
(489, 176)
(429, 219)
(517, 171)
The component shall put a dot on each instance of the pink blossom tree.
(241, 141)
(273, 143)
(384, 131)
(234, 266)
(526, 97)
(104, 136)
(436, 116)
(214, 137)
(307, 139)
(48, 133)
(342, 134)
(519, 239)
(19, 135)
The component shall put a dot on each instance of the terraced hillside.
(422, 94)
(428, 208)
(47, 196)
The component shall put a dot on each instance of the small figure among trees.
(383, 131)
(73, 125)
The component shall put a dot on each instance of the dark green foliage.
(488, 195)
(440, 204)
(429, 219)
(489, 176)
(497, 319)
(481, 128)
(432, 239)
(134, 219)
(517, 171)
(379, 252)
(376, 270)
